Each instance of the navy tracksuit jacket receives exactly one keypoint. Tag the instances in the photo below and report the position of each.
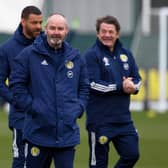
(108, 103)
(8, 51)
(52, 87)
(108, 114)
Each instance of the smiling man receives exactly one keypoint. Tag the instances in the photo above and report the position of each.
(113, 76)
(50, 82)
(56, 33)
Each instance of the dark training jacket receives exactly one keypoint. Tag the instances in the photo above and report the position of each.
(8, 51)
(108, 103)
(52, 87)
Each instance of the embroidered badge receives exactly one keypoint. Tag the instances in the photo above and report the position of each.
(123, 58)
(44, 62)
(70, 74)
(126, 66)
(69, 64)
(106, 61)
(35, 151)
(103, 139)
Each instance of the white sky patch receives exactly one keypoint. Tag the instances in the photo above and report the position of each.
(10, 13)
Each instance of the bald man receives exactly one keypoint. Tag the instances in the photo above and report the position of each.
(50, 82)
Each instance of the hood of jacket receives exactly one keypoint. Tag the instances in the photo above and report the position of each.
(21, 38)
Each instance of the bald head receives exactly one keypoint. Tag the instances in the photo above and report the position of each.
(57, 18)
(56, 30)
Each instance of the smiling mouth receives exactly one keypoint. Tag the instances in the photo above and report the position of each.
(107, 41)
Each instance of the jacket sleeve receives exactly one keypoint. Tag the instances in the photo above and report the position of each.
(19, 80)
(98, 85)
(83, 87)
(5, 92)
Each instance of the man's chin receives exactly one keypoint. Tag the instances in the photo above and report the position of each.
(34, 35)
(56, 44)
(107, 44)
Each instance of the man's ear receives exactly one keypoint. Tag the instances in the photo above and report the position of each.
(22, 22)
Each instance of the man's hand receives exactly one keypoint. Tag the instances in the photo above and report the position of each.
(128, 85)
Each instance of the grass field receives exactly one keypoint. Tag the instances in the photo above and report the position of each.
(153, 132)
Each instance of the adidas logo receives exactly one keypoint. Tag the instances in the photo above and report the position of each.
(44, 62)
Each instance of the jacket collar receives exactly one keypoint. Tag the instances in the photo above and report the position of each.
(41, 46)
(20, 37)
(117, 47)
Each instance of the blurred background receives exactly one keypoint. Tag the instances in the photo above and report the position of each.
(144, 29)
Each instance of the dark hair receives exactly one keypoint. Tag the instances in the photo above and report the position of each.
(109, 20)
(30, 10)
